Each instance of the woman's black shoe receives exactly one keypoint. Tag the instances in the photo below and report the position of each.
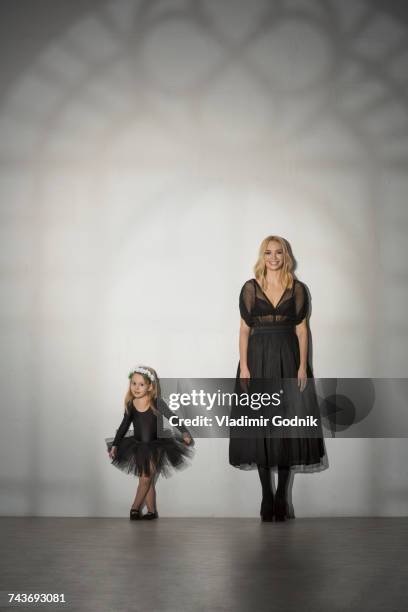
(267, 511)
(149, 516)
(134, 515)
(280, 509)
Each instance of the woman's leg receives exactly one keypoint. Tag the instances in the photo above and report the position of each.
(266, 482)
(267, 492)
(281, 505)
(283, 480)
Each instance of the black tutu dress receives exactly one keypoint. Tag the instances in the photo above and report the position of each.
(142, 452)
(273, 359)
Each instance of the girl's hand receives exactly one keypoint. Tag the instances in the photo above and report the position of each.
(302, 378)
(187, 439)
(112, 452)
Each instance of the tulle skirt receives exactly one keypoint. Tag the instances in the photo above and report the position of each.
(162, 456)
(273, 361)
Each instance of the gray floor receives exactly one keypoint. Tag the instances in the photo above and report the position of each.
(208, 564)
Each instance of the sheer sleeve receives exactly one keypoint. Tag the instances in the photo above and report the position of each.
(247, 301)
(301, 302)
(163, 408)
(123, 427)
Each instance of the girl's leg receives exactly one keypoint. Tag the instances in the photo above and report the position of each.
(142, 490)
(151, 497)
(146, 491)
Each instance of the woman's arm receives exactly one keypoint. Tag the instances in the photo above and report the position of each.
(302, 334)
(244, 330)
(246, 307)
(302, 311)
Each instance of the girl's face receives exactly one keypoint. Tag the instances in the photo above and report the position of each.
(138, 386)
(273, 256)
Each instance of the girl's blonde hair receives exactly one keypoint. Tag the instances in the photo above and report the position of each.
(287, 276)
(154, 393)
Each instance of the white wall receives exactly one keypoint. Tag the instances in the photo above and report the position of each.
(139, 171)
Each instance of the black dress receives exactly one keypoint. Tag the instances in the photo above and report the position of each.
(273, 356)
(144, 453)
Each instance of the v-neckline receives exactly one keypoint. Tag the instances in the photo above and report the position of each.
(278, 302)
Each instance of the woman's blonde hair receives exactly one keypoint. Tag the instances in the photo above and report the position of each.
(155, 391)
(286, 270)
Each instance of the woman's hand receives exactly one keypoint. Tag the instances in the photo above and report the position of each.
(187, 438)
(302, 378)
(112, 452)
(244, 375)
(244, 372)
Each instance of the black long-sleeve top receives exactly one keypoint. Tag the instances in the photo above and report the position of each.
(145, 424)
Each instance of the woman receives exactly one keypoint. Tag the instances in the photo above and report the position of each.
(273, 347)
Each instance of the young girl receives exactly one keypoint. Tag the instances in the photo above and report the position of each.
(144, 454)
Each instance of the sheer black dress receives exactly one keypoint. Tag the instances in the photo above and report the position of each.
(274, 356)
(143, 452)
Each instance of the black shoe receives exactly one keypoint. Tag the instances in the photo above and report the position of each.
(280, 509)
(134, 515)
(267, 510)
(150, 516)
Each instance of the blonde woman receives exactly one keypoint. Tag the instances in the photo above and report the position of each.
(273, 346)
(145, 454)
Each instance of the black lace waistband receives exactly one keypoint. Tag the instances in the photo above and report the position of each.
(273, 329)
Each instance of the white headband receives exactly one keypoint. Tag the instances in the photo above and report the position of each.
(140, 370)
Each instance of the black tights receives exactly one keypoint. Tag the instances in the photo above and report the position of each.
(146, 492)
(266, 481)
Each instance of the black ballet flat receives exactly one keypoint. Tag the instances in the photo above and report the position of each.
(266, 511)
(150, 516)
(280, 509)
(134, 515)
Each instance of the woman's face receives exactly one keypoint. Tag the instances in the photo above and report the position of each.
(138, 386)
(273, 256)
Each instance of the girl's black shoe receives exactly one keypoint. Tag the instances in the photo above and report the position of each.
(149, 516)
(134, 515)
